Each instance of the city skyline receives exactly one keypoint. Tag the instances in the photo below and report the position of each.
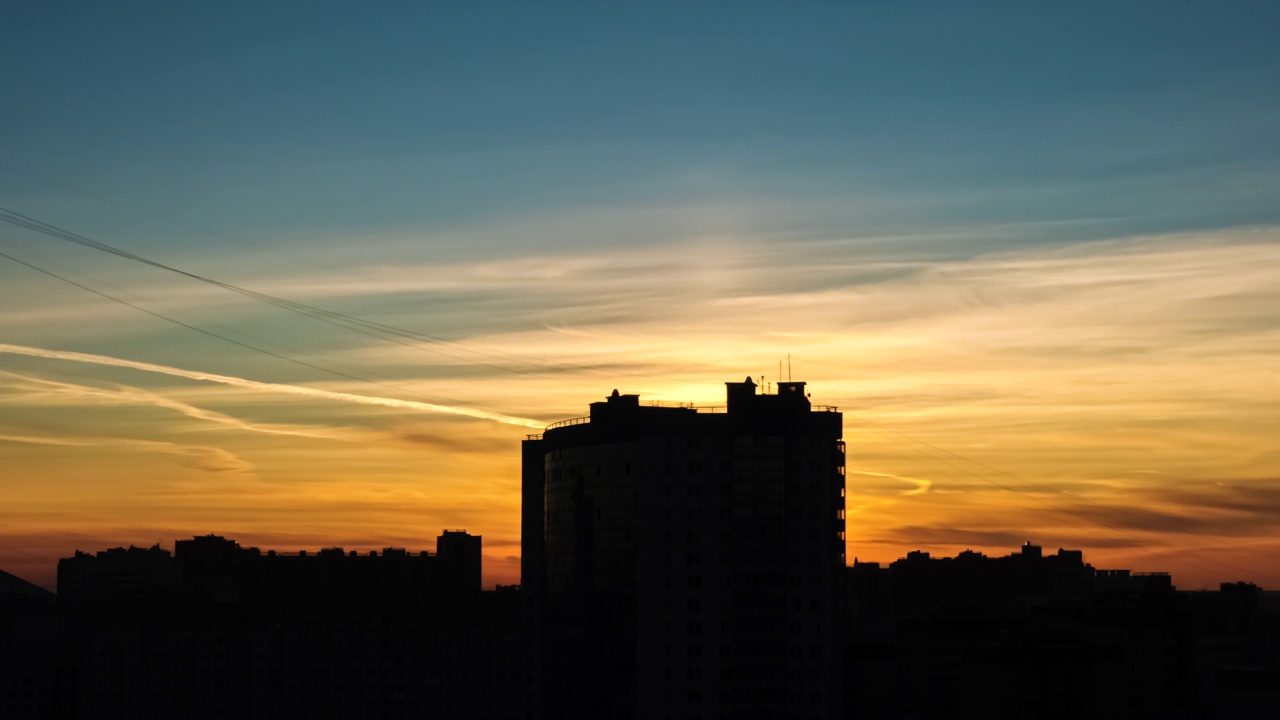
(1030, 255)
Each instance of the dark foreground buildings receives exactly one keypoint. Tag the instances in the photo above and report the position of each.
(215, 630)
(1034, 635)
(31, 672)
(678, 563)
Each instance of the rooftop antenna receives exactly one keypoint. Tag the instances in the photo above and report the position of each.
(788, 367)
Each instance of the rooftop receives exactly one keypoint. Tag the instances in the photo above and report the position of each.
(789, 396)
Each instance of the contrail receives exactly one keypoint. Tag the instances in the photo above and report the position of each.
(44, 389)
(209, 459)
(267, 387)
(921, 486)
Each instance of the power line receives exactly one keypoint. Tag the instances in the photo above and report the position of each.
(370, 328)
(220, 336)
(137, 298)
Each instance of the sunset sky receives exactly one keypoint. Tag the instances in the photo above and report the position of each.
(1033, 256)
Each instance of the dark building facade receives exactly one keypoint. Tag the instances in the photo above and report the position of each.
(688, 560)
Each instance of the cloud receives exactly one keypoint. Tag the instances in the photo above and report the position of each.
(991, 540)
(55, 441)
(200, 457)
(1254, 496)
(923, 536)
(919, 486)
(268, 387)
(44, 393)
(448, 443)
(1187, 507)
(215, 460)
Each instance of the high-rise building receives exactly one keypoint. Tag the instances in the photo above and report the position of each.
(687, 560)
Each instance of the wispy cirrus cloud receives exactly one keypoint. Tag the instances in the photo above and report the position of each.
(31, 390)
(200, 457)
(1068, 366)
(39, 440)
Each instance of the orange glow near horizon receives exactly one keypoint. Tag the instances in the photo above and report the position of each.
(1119, 399)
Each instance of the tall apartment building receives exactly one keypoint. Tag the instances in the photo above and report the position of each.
(686, 562)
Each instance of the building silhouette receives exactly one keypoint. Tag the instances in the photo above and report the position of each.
(678, 562)
(1035, 635)
(31, 677)
(216, 630)
(686, 562)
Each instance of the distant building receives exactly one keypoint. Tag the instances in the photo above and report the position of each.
(459, 557)
(31, 683)
(688, 560)
(216, 630)
(214, 569)
(1026, 635)
(118, 575)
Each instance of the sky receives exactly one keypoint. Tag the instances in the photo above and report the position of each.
(1031, 251)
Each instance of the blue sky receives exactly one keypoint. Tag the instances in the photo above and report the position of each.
(244, 120)
(1043, 237)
